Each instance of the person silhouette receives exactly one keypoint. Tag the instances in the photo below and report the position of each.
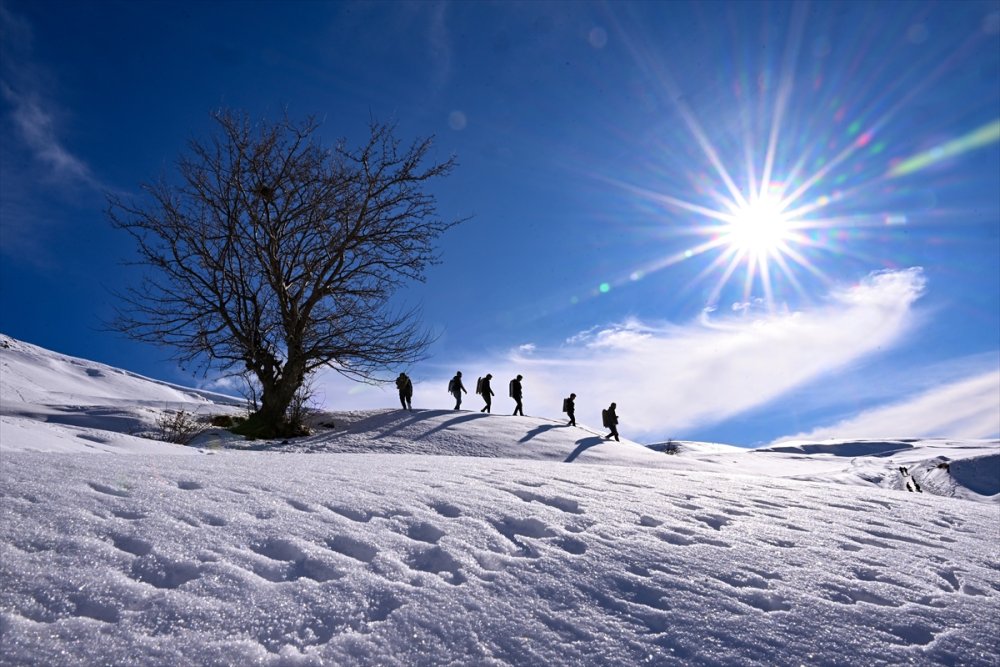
(487, 392)
(569, 407)
(610, 418)
(405, 387)
(455, 388)
(515, 393)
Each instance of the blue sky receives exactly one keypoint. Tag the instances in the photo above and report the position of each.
(741, 222)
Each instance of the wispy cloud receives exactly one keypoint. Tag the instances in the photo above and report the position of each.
(969, 408)
(670, 379)
(439, 42)
(37, 130)
(32, 111)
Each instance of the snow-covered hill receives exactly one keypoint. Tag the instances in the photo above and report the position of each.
(454, 538)
(53, 402)
(968, 469)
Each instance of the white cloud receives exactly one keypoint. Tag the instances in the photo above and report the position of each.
(31, 108)
(667, 379)
(969, 408)
(37, 131)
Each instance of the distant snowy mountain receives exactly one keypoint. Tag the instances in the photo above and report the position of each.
(438, 537)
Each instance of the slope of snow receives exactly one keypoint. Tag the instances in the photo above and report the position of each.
(455, 538)
(295, 559)
(461, 433)
(46, 386)
(26, 434)
(968, 469)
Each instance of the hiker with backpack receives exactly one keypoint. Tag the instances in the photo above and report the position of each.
(610, 419)
(405, 387)
(569, 407)
(515, 393)
(455, 388)
(484, 390)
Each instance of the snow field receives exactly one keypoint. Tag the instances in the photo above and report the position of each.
(437, 537)
(294, 559)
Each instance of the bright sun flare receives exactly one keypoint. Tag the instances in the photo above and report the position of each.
(759, 228)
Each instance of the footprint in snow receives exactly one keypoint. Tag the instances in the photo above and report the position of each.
(300, 506)
(513, 529)
(738, 579)
(688, 506)
(107, 490)
(131, 544)
(437, 561)
(766, 602)
(854, 595)
(572, 545)
(914, 634)
(358, 516)
(675, 539)
(163, 572)
(713, 520)
(352, 548)
(567, 505)
(446, 510)
(424, 532)
(951, 582)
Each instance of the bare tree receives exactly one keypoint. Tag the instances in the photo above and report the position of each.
(276, 256)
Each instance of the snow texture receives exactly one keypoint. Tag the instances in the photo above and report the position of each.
(454, 538)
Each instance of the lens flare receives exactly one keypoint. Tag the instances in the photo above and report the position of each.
(782, 182)
(984, 136)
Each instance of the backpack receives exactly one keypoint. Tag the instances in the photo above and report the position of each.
(451, 386)
(565, 405)
(510, 388)
(605, 418)
(479, 386)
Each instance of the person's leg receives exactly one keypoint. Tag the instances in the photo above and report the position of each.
(402, 401)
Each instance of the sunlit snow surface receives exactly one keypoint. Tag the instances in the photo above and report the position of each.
(537, 545)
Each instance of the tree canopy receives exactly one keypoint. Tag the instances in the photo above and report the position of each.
(274, 255)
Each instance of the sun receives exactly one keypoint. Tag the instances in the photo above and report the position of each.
(758, 228)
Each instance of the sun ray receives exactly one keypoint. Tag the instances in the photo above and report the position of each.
(784, 93)
(783, 189)
(675, 94)
(716, 293)
(789, 275)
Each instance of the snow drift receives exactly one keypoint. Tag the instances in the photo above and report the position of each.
(444, 538)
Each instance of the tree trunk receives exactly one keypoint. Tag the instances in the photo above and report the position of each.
(271, 418)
